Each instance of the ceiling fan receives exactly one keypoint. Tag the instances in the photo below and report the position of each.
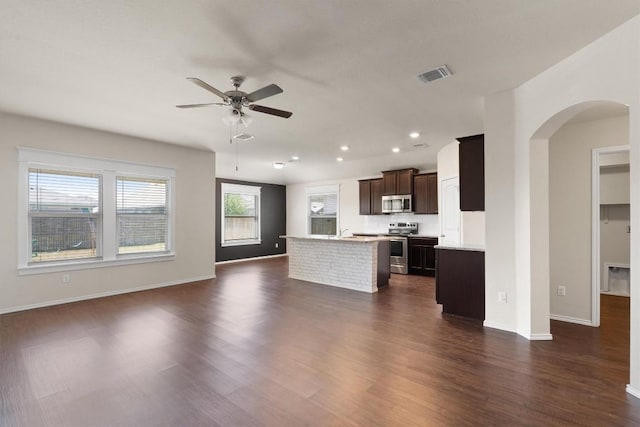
(236, 99)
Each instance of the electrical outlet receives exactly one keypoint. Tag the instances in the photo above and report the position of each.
(277, 244)
(562, 291)
(502, 297)
(66, 278)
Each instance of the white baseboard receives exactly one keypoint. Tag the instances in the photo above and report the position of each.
(633, 391)
(539, 337)
(104, 294)
(250, 259)
(494, 325)
(569, 319)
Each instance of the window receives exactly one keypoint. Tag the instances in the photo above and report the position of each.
(240, 216)
(64, 215)
(322, 210)
(78, 212)
(142, 215)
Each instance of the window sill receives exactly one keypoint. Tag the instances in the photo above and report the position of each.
(93, 263)
(241, 243)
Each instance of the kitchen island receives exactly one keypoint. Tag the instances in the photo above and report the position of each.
(357, 263)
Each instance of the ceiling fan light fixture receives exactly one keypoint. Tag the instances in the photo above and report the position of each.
(243, 136)
(232, 117)
(245, 119)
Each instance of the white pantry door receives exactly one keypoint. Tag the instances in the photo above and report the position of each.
(450, 212)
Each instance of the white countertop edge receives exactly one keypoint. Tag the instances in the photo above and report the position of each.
(477, 248)
(340, 239)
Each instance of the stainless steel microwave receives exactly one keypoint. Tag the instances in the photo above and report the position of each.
(396, 204)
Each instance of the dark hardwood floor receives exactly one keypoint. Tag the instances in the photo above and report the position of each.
(255, 348)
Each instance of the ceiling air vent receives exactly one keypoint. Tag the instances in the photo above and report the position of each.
(437, 74)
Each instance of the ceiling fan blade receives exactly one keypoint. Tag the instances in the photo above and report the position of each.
(199, 105)
(272, 111)
(208, 87)
(265, 92)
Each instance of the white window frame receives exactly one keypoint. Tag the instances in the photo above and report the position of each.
(240, 189)
(29, 158)
(317, 191)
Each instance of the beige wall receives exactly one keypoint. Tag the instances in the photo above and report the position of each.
(614, 185)
(570, 152)
(194, 214)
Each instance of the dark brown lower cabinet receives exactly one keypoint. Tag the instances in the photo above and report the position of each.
(460, 282)
(422, 256)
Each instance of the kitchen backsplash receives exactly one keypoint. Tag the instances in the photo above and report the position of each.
(427, 224)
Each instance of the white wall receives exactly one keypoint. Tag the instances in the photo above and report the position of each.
(515, 123)
(349, 211)
(570, 152)
(348, 206)
(472, 224)
(194, 213)
(428, 225)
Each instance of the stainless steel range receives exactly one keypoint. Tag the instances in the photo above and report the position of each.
(399, 245)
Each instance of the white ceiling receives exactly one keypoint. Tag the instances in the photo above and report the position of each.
(348, 70)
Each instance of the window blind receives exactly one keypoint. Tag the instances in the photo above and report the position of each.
(142, 214)
(64, 214)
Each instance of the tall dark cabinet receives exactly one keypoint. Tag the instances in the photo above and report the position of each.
(471, 173)
(370, 196)
(425, 190)
(365, 196)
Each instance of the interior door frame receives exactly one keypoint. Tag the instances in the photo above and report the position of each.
(595, 226)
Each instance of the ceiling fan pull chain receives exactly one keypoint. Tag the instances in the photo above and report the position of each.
(236, 148)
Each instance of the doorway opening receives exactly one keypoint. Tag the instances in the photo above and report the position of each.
(611, 227)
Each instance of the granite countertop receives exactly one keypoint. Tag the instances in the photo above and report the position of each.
(391, 235)
(354, 239)
(461, 247)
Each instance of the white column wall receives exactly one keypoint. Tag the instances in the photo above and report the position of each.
(500, 211)
(537, 109)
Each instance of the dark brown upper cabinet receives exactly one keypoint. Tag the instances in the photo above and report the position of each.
(376, 196)
(398, 182)
(365, 196)
(471, 156)
(370, 196)
(425, 190)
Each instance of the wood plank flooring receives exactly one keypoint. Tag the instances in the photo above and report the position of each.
(253, 347)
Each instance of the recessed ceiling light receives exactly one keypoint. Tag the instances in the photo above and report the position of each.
(414, 135)
(344, 148)
(339, 159)
(395, 149)
(278, 165)
(295, 158)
